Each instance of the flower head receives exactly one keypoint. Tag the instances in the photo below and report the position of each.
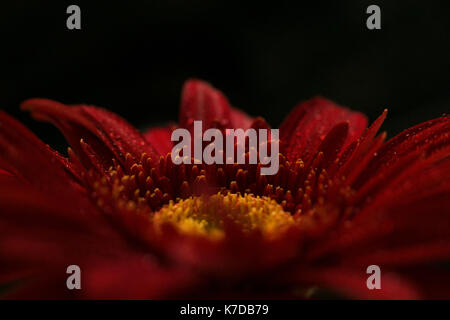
(140, 226)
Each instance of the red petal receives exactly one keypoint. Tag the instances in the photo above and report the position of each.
(160, 139)
(41, 234)
(108, 134)
(200, 101)
(352, 282)
(308, 124)
(361, 150)
(4, 172)
(332, 144)
(27, 157)
(38, 233)
(416, 139)
(239, 119)
(409, 212)
(432, 280)
(135, 277)
(407, 255)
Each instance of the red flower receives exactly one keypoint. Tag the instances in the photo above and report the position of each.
(140, 226)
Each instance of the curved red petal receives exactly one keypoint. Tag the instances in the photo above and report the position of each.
(308, 124)
(422, 137)
(108, 134)
(239, 119)
(23, 154)
(200, 101)
(332, 145)
(361, 150)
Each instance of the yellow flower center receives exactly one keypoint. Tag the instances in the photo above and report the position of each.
(206, 215)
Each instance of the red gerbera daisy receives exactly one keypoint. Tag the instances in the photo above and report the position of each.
(140, 226)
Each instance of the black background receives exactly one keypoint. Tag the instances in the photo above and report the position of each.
(132, 57)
